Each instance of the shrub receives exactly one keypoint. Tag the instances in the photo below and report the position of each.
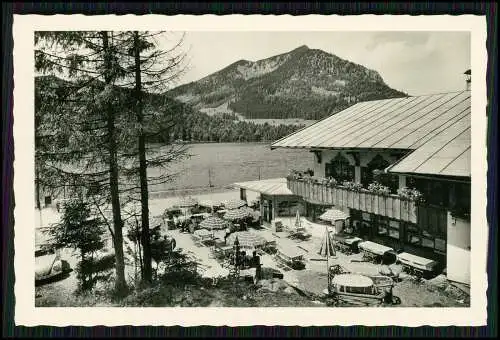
(379, 189)
(331, 182)
(82, 231)
(91, 270)
(410, 194)
(352, 186)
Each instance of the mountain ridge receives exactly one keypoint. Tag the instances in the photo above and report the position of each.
(303, 83)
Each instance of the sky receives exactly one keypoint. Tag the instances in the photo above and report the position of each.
(418, 63)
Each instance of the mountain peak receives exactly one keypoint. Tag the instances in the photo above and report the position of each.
(301, 48)
(302, 83)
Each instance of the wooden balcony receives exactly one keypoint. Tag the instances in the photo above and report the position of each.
(391, 206)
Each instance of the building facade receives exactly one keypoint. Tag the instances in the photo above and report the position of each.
(401, 169)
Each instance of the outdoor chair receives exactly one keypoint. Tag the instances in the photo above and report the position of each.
(343, 248)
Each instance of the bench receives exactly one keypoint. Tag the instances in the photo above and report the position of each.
(416, 265)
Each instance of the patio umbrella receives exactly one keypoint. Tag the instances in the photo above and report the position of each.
(234, 204)
(201, 232)
(332, 215)
(214, 223)
(247, 239)
(251, 212)
(236, 214)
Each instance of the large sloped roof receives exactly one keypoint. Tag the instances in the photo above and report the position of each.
(436, 128)
(447, 154)
(400, 123)
(274, 186)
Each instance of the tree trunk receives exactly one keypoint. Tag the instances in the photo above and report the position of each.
(37, 181)
(146, 246)
(120, 284)
(138, 243)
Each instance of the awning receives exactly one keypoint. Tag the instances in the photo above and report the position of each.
(272, 187)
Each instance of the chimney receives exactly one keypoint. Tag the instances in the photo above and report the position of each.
(467, 79)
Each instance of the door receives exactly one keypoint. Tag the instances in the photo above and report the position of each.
(270, 211)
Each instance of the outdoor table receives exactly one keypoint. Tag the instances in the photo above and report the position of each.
(290, 255)
(200, 215)
(374, 248)
(373, 251)
(347, 243)
(416, 264)
(352, 240)
(226, 249)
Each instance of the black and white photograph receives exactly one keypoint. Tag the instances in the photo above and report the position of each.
(192, 169)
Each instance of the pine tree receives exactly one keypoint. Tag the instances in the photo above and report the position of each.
(151, 69)
(78, 122)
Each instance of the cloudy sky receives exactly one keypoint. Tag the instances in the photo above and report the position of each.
(418, 63)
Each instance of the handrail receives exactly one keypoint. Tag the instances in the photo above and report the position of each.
(391, 206)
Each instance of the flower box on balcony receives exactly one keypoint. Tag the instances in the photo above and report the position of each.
(353, 197)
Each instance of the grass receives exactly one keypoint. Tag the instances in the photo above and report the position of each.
(164, 294)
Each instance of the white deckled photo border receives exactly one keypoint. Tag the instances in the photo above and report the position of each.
(27, 314)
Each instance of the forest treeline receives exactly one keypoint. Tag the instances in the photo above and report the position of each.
(200, 127)
(194, 126)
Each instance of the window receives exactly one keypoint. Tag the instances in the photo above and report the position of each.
(460, 205)
(387, 227)
(340, 169)
(369, 175)
(366, 217)
(394, 229)
(440, 245)
(413, 235)
(424, 238)
(382, 230)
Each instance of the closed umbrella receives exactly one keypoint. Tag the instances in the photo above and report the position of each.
(332, 215)
(298, 224)
(214, 223)
(234, 204)
(236, 214)
(246, 239)
(327, 250)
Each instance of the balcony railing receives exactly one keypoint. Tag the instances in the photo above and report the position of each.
(391, 206)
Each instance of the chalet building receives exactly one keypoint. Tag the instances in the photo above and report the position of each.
(401, 169)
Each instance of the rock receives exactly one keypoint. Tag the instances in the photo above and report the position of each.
(289, 290)
(281, 284)
(439, 281)
(274, 287)
(385, 270)
(244, 297)
(265, 285)
(396, 270)
(403, 276)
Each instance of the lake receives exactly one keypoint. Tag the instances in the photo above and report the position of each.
(221, 164)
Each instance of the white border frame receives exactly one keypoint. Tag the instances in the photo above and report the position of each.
(27, 314)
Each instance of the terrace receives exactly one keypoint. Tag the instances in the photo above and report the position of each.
(353, 196)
